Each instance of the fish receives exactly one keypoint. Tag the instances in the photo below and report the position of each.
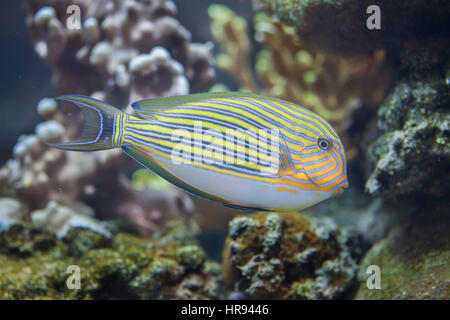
(246, 151)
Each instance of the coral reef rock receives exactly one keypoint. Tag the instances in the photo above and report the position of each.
(413, 155)
(285, 255)
(37, 265)
(414, 260)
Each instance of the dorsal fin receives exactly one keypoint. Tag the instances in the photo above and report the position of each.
(177, 100)
(146, 107)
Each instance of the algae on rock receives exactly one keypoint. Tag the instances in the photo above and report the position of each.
(35, 266)
(413, 260)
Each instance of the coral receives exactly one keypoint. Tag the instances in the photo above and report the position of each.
(143, 178)
(35, 265)
(230, 31)
(413, 155)
(149, 71)
(59, 220)
(22, 239)
(285, 255)
(11, 211)
(287, 68)
(122, 52)
(96, 56)
(413, 259)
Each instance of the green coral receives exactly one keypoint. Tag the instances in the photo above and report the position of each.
(23, 240)
(81, 240)
(142, 179)
(124, 267)
(285, 255)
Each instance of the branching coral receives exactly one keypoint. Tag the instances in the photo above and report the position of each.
(330, 85)
(96, 56)
(230, 31)
(123, 51)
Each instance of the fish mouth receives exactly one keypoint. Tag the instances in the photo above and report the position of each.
(345, 185)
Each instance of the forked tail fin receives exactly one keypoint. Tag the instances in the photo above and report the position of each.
(99, 125)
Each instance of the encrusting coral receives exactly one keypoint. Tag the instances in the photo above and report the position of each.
(413, 155)
(286, 255)
(123, 51)
(330, 85)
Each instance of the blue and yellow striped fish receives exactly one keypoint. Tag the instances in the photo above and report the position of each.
(244, 150)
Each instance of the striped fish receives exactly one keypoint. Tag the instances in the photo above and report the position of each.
(244, 150)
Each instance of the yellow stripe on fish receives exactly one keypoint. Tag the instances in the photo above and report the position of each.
(244, 150)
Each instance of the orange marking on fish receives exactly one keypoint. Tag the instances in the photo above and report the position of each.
(280, 189)
(330, 169)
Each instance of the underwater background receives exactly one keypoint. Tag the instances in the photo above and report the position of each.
(134, 236)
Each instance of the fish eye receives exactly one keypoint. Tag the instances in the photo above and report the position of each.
(324, 143)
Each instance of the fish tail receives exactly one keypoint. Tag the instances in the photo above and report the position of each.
(102, 125)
